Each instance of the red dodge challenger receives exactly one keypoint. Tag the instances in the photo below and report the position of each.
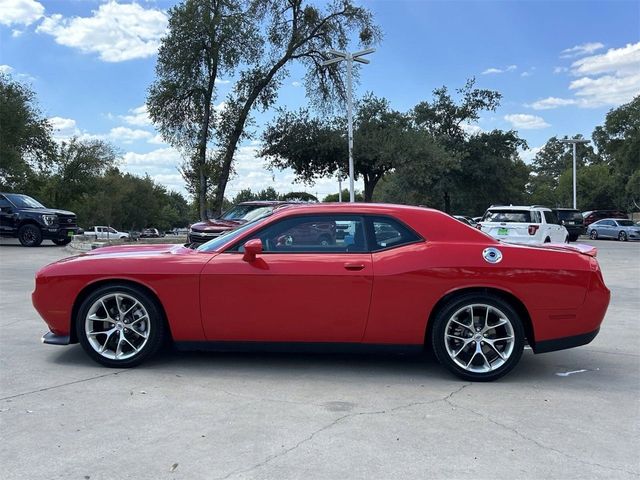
(397, 277)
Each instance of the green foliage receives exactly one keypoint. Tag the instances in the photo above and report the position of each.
(334, 197)
(26, 145)
(269, 193)
(205, 39)
(596, 188)
(292, 31)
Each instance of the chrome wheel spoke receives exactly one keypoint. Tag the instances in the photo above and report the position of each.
(470, 328)
(140, 334)
(136, 320)
(490, 343)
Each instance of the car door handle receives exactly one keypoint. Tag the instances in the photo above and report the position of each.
(354, 266)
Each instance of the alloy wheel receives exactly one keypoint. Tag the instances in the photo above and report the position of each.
(117, 326)
(479, 338)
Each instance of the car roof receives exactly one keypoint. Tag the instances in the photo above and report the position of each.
(566, 209)
(353, 208)
(518, 207)
(266, 203)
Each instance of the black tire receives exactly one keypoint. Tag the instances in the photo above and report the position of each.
(622, 236)
(155, 330)
(593, 234)
(62, 242)
(547, 240)
(30, 235)
(326, 240)
(441, 348)
(573, 238)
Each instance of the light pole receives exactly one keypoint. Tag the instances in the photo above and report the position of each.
(574, 142)
(349, 58)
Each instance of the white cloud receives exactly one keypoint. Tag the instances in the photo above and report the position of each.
(551, 103)
(220, 81)
(138, 117)
(584, 49)
(528, 155)
(494, 70)
(65, 126)
(296, 84)
(128, 135)
(156, 140)
(6, 69)
(116, 32)
(610, 78)
(557, 70)
(470, 128)
(525, 74)
(524, 121)
(20, 12)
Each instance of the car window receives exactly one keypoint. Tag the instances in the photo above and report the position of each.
(112, 230)
(23, 201)
(4, 203)
(388, 233)
(239, 212)
(317, 233)
(507, 216)
(568, 215)
(228, 236)
(550, 217)
(625, 223)
(606, 223)
(536, 217)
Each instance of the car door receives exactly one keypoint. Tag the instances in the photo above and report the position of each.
(7, 217)
(557, 232)
(306, 291)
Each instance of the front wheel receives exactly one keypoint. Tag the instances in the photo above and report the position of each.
(622, 236)
(62, 242)
(120, 326)
(478, 337)
(573, 238)
(593, 235)
(30, 235)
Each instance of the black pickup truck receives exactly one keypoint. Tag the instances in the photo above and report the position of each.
(29, 221)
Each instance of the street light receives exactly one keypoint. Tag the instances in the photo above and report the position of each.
(349, 58)
(574, 141)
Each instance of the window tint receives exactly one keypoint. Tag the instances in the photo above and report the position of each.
(625, 223)
(536, 217)
(608, 223)
(550, 217)
(569, 215)
(508, 216)
(4, 203)
(388, 233)
(317, 233)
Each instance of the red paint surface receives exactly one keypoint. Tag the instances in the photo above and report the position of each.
(316, 298)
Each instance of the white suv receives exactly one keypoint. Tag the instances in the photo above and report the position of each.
(533, 224)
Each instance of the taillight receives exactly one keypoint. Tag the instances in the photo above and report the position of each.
(533, 229)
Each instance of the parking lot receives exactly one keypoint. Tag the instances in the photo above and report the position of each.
(568, 414)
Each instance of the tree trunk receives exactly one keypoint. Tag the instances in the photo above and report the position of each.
(447, 202)
(369, 186)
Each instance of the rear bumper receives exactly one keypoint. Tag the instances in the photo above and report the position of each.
(53, 339)
(545, 346)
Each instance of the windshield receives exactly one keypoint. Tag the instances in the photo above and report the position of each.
(239, 212)
(229, 236)
(508, 216)
(257, 213)
(22, 201)
(625, 223)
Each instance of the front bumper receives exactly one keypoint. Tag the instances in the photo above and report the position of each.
(53, 339)
(58, 233)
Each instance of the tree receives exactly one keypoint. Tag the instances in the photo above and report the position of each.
(292, 32)
(298, 197)
(595, 188)
(334, 197)
(206, 38)
(26, 144)
(316, 148)
(446, 122)
(618, 141)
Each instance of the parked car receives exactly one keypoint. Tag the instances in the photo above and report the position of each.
(30, 222)
(105, 233)
(435, 285)
(623, 230)
(595, 215)
(572, 220)
(464, 219)
(523, 224)
(151, 233)
(244, 212)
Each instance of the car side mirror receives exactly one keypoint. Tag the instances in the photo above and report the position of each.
(251, 249)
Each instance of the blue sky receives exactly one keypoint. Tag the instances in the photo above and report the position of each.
(560, 65)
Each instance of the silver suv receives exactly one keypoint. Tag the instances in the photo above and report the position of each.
(523, 224)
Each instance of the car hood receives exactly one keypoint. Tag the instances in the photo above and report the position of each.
(47, 211)
(213, 225)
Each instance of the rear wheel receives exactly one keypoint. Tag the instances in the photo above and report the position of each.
(30, 235)
(478, 337)
(622, 236)
(120, 326)
(547, 240)
(573, 238)
(593, 235)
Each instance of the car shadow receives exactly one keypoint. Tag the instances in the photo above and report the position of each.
(341, 367)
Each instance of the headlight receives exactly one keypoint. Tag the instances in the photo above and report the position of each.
(50, 219)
